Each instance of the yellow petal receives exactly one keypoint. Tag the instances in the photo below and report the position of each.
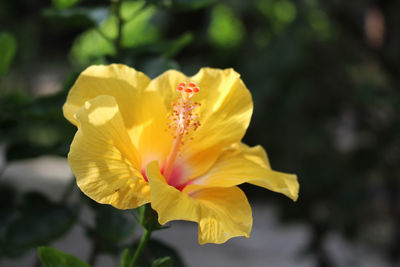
(119, 81)
(222, 213)
(226, 108)
(225, 112)
(143, 112)
(243, 164)
(103, 158)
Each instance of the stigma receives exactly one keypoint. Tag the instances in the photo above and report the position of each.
(182, 118)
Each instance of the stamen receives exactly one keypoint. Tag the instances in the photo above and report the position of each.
(182, 121)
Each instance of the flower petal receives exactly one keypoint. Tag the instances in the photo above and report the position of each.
(222, 213)
(143, 112)
(103, 158)
(225, 112)
(119, 81)
(226, 108)
(243, 164)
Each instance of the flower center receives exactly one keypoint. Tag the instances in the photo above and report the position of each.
(182, 122)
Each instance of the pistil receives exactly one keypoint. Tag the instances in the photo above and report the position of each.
(172, 156)
(183, 121)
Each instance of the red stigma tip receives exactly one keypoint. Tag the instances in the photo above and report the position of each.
(180, 88)
(188, 90)
(182, 84)
(192, 84)
(196, 89)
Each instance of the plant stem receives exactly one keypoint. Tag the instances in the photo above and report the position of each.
(143, 241)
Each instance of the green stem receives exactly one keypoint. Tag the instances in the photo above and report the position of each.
(143, 241)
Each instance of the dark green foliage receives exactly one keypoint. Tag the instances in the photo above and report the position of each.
(182, 5)
(162, 262)
(111, 228)
(36, 125)
(157, 251)
(8, 204)
(78, 17)
(33, 221)
(148, 218)
(8, 47)
(51, 257)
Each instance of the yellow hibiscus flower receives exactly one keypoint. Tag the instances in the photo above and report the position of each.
(174, 141)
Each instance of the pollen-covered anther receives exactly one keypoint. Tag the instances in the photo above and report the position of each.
(182, 119)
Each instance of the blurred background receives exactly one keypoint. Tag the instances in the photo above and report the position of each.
(325, 79)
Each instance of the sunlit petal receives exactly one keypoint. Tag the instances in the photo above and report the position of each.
(123, 83)
(222, 213)
(143, 112)
(103, 158)
(243, 164)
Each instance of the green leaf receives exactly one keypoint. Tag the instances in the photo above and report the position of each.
(285, 11)
(51, 257)
(8, 47)
(97, 45)
(226, 30)
(61, 4)
(92, 46)
(112, 226)
(168, 48)
(137, 29)
(157, 250)
(37, 222)
(160, 250)
(149, 218)
(33, 127)
(173, 47)
(162, 262)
